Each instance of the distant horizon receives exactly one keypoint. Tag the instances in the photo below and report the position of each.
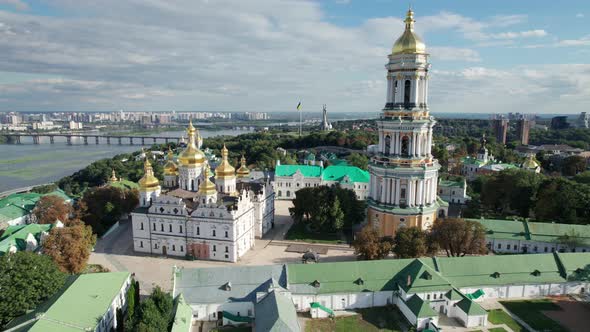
(269, 54)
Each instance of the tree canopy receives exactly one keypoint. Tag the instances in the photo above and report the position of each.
(101, 207)
(411, 242)
(26, 280)
(70, 246)
(459, 237)
(51, 208)
(156, 312)
(368, 245)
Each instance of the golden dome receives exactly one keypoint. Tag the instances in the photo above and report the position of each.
(224, 170)
(148, 182)
(409, 42)
(530, 163)
(243, 171)
(192, 156)
(207, 187)
(113, 177)
(170, 167)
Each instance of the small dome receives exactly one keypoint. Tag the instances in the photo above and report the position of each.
(170, 168)
(243, 171)
(409, 42)
(207, 187)
(530, 163)
(191, 156)
(148, 182)
(224, 170)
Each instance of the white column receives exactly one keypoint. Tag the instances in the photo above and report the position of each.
(397, 191)
(426, 79)
(415, 145)
(399, 142)
(429, 142)
(392, 145)
(399, 96)
(433, 185)
(421, 192)
(390, 192)
(382, 187)
(389, 88)
(420, 142)
(414, 91)
(410, 193)
(386, 188)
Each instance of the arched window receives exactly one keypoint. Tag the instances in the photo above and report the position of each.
(280, 193)
(405, 146)
(288, 193)
(387, 144)
(407, 92)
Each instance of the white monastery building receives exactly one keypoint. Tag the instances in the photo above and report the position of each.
(200, 215)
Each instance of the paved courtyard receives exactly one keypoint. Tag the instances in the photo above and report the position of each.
(115, 252)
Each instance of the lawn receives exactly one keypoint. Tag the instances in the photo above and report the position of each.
(379, 319)
(298, 232)
(530, 311)
(498, 316)
(497, 329)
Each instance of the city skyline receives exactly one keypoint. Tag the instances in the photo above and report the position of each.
(225, 56)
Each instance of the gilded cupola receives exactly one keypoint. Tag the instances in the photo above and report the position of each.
(170, 167)
(192, 156)
(409, 42)
(207, 187)
(148, 182)
(224, 170)
(243, 171)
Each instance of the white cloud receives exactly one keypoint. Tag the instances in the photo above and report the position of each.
(519, 34)
(584, 41)
(17, 4)
(579, 15)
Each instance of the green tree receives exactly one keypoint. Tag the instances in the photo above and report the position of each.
(155, 313)
(101, 207)
(369, 246)
(459, 237)
(563, 201)
(359, 160)
(26, 280)
(573, 165)
(583, 177)
(411, 242)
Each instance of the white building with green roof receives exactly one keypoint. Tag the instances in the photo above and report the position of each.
(290, 178)
(16, 209)
(423, 288)
(88, 302)
(25, 237)
(454, 192)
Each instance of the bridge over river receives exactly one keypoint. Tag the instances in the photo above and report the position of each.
(96, 138)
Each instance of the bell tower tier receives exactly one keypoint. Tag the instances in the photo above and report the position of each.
(404, 175)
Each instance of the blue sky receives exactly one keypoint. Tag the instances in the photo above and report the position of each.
(229, 55)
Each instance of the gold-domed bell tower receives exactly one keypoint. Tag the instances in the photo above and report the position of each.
(191, 162)
(243, 172)
(149, 185)
(225, 174)
(113, 177)
(207, 191)
(170, 171)
(404, 175)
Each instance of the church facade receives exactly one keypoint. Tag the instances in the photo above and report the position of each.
(200, 214)
(404, 174)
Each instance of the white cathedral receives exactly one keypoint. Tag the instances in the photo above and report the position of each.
(196, 217)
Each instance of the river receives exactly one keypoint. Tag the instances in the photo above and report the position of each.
(29, 164)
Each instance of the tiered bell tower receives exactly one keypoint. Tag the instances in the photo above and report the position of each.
(404, 175)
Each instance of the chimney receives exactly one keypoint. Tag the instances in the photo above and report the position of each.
(409, 280)
(278, 162)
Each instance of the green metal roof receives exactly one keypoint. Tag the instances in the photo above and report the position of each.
(420, 308)
(338, 173)
(124, 184)
(472, 161)
(17, 236)
(19, 205)
(183, 316)
(276, 313)
(80, 306)
(470, 307)
(453, 295)
(306, 170)
(418, 277)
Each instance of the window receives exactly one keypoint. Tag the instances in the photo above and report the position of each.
(141, 226)
(198, 231)
(162, 227)
(154, 226)
(405, 146)
(546, 249)
(387, 144)
(141, 244)
(428, 296)
(214, 248)
(173, 247)
(535, 248)
(213, 232)
(226, 234)
(226, 249)
(499, 245)
(155, 246)
(407, 92)
(508, 247)
(170, 228)
(180, 229)
(181, 248)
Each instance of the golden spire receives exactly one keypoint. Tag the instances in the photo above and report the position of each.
(148, 182)
(224, 170)
(243, 171)
(207, 187)
(113, 176)
(409, 41)
(192, 156)
(170, 167)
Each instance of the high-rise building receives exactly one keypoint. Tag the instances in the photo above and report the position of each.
(583, 120)
(559, 122)
(500, 127)
(523, 127)
(404, 174)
